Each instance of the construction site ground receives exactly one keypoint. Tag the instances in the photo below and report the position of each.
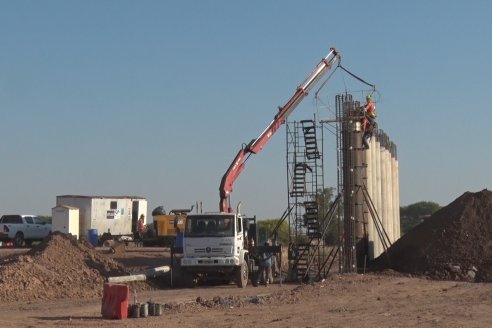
(386, 299)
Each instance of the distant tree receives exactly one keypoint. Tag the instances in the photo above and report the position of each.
(46, 219)
(325, 200)
(414, 214)
(265, 228)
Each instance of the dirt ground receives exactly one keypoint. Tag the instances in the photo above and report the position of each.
(387, 299)
(437, 275)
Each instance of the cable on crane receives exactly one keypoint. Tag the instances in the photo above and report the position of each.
(356, 77)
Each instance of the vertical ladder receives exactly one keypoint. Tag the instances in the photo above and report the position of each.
(309, 131)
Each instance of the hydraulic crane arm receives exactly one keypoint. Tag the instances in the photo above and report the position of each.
(237, 165)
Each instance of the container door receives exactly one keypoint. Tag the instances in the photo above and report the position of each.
(134, 215)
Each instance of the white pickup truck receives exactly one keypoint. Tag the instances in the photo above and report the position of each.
(23, 229)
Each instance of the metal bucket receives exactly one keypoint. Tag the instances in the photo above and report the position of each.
(151, 308)
(155, 309)
(159, 308)
(134, 311)
(144, 310)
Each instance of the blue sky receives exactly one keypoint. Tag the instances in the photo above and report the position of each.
(154, 98)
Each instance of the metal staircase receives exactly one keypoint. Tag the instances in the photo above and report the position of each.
(312, 220)
(299, 179)
(309, 131)
(305, 181)
(302, 261)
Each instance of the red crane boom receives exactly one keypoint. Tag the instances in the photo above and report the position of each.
(237, 165)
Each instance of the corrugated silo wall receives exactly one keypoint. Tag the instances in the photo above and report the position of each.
(381, 178)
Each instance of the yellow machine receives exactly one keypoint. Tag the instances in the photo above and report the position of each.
(168, 225)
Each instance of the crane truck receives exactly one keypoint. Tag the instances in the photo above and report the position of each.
(220, 243)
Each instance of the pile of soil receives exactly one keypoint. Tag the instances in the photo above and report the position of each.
(59, 267)
(454, 243)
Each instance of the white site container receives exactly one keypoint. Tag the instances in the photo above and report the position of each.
(115, 214)
(65, 219)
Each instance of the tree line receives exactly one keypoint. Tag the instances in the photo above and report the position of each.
(410, 216)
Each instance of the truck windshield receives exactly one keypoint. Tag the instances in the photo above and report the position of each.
(210, 226)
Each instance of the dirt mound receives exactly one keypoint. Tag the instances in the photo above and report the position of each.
(455, 243)
(59, 267)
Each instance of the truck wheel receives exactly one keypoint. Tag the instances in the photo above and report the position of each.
(19, 239)
(242, 275)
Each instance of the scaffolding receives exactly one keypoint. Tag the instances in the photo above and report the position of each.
(365, 227)
(309, 257)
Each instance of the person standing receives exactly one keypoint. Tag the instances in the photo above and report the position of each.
(265, 263)
(141, 226)
(368, 121)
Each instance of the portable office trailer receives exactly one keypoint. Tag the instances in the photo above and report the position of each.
(115, 214)
(65, 219)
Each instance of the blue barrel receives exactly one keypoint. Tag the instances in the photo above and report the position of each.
(179, 239)
(93, 237)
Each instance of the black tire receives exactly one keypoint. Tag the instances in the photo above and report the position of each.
(18, 239)
(188, 279)
(242, 275)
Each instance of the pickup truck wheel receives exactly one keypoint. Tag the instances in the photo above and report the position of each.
(242, 275)
(19, 239)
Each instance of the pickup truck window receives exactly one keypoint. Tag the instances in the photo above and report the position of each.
(11, 219)
(29, 219)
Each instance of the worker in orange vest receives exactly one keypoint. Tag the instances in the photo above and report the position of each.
(141, 228)
(368, 121)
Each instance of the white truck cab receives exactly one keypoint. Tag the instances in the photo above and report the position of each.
(215, 244)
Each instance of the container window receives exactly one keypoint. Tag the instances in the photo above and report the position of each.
(113, 205)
